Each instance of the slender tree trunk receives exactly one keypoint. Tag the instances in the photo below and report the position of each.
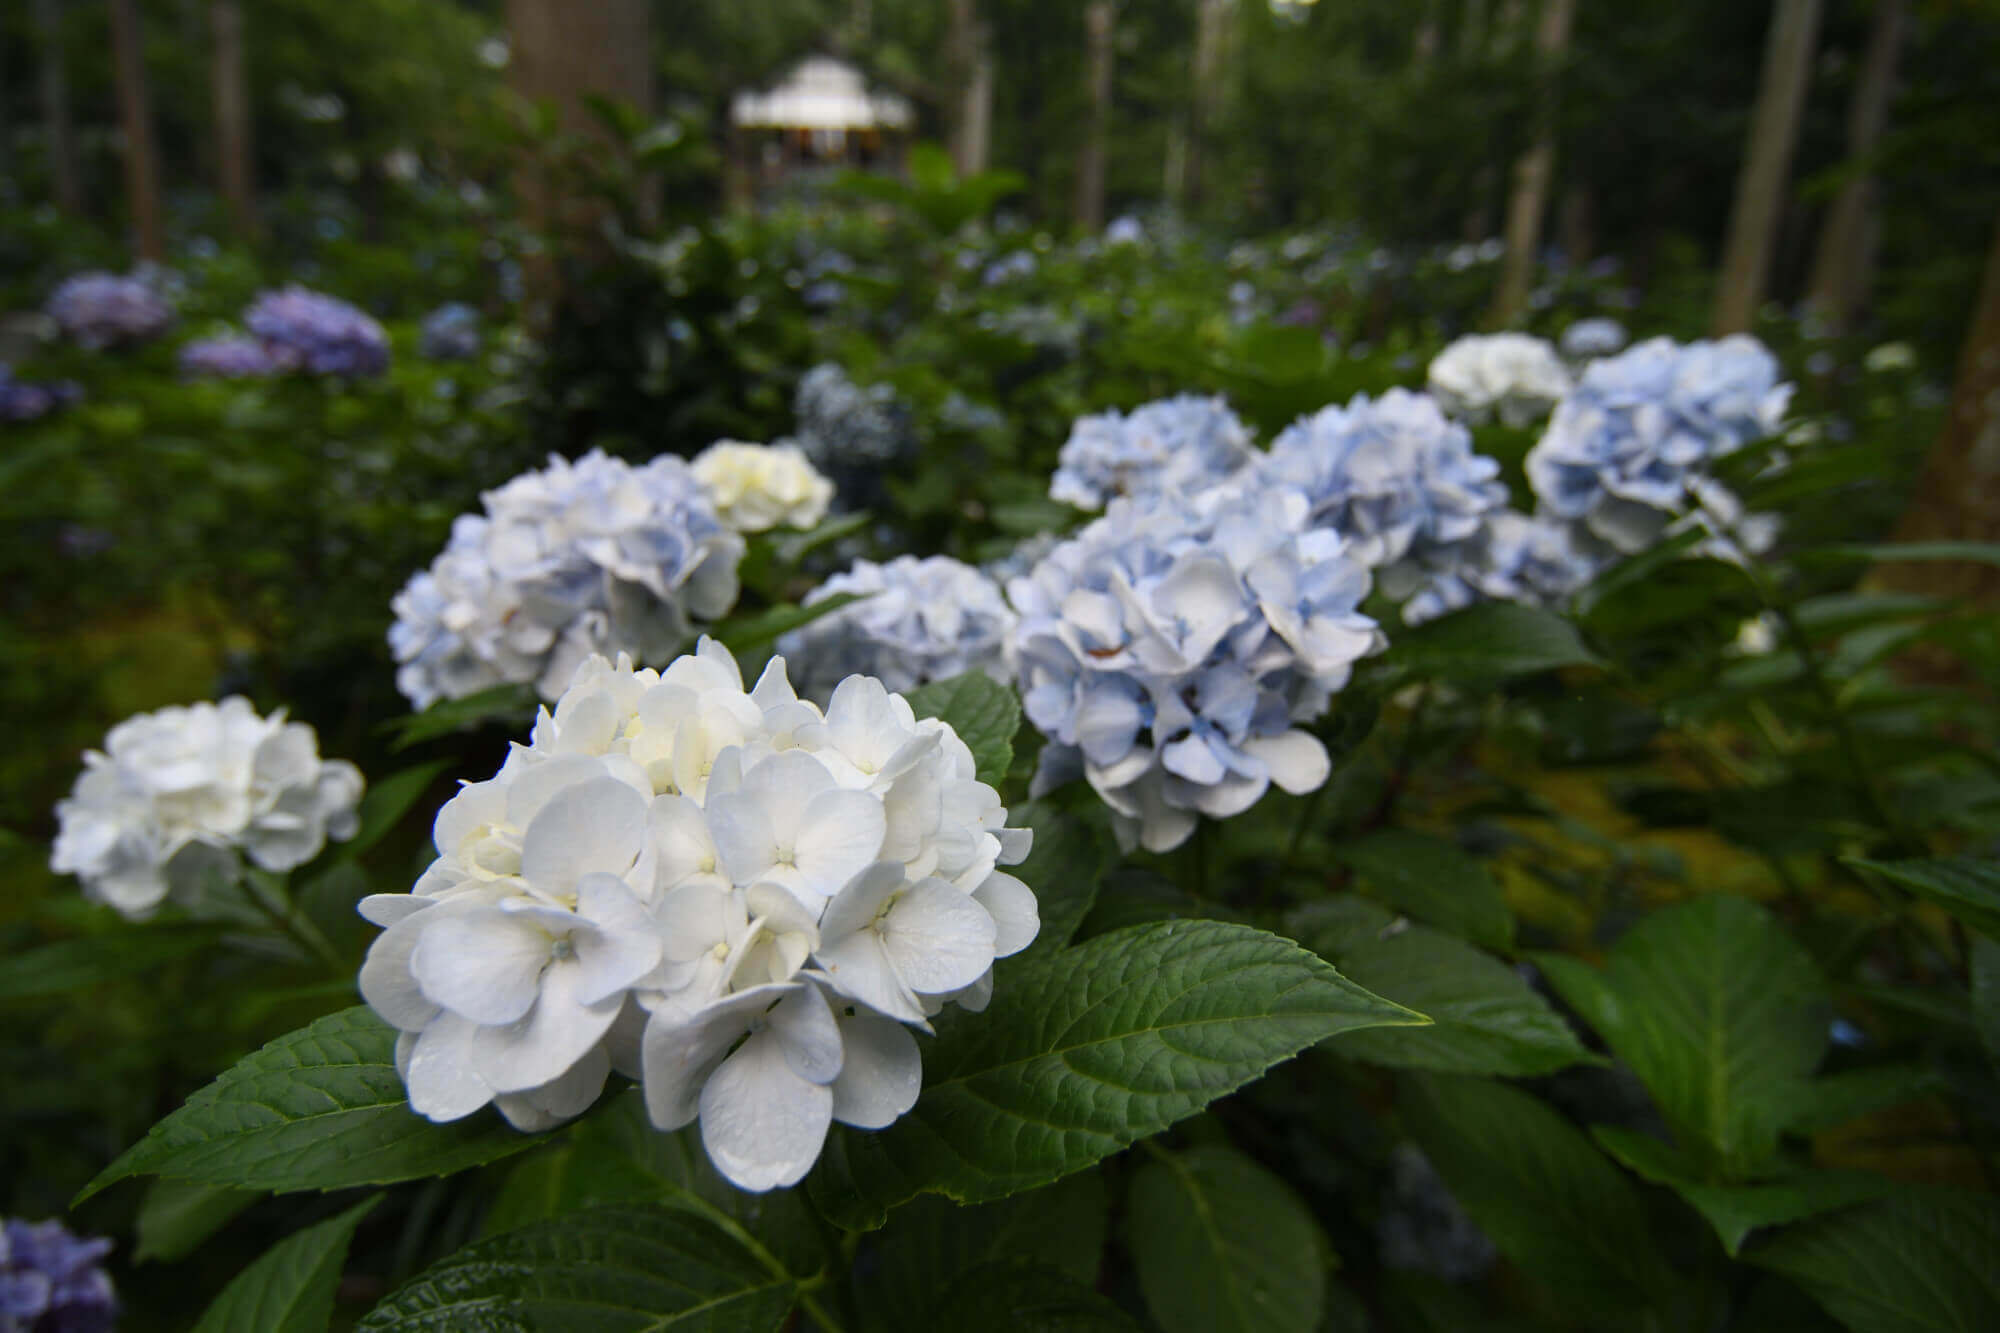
(1534, 171)
(1578, 225)
(1958, 492)
(1767, 163)
(1205, 106)
(969, 65)
(1099, 18)
(65, 181)
(135, 116)
(1843, 262)
(232, 116)
(564, 52)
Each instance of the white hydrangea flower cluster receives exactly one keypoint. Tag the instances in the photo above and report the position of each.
(1396, 478)
(1514, 376)
(1169, 649)
(596, 556)
(918, 620)
(176, 795)
(1173, 446)
(740, 900)
(1627, 454)
(756, 487)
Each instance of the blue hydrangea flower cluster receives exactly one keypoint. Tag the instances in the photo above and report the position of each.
(1623, 451)
(1396, 478)
(99, 310)
(228, 358)
(1169, 650)
(918, 620)
(319, 334)
(1515, 558)
(1174, 446)
(27, 400)
(592, 557)
(1590, 338)
(52, 1281)
(841, 424)
(450, 333)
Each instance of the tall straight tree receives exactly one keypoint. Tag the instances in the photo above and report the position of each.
(1958, 491)
(229, 90)
(65, 181)
(135, 118)
(1211, 54)
(1100, 18)
(1532, 174)
(1844, 262)
(1767, 164)
(969, 69)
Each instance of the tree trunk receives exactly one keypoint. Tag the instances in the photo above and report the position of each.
(1578, 225)
(562, 53)
(142, 163)
(1099, 18)
(65, 181)
(1958, 493)
(232, 116)
(969, 66)
(1843, 262)
(1205, 106)
(1767, 163)
(1532, 174)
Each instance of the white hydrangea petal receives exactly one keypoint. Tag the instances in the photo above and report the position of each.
(681, 1048)
(840, 832)
(937, 937)
(881, 1072)
(803, 1022)
(386, 982)
(485, 964)
(762, 1124)
(857, 965)
(1016, 915)
(543, 1108)
(442, 1080)
(599, 825)
(621, 944)
(554, 1035)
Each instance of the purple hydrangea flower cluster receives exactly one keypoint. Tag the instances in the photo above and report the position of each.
(99, 310)
(229, 358)
(319, 334)
(25, 400)
(450, 333)
(52, 1281)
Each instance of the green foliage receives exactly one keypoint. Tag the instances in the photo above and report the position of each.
(615, 1269)
(1221, 1244)
(1487, 643)
(289, 1289)
(176, 1216)
(319, 1109)
(1969, 889)
(1089, 1049)
(1485, 1019)
(1433, 881)
(1915, 1261)
(983, 712)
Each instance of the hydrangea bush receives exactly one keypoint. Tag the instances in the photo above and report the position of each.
(177, 799)
(103, 310)
(915, 620)
(583, 558)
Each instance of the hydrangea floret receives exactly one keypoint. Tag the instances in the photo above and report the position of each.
(1512, 376)
(1176, 445)
(449, 333)
(1396, 478)
(756, 487)
(1622, 454)
(743, 902)
(52, 1281)
(177, 797)
(595, 556)
(1170, 649)
(319, 334)
(100, 310)
(229, 358)
(918, 620)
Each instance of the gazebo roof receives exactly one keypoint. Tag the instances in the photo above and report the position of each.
(820, 93)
